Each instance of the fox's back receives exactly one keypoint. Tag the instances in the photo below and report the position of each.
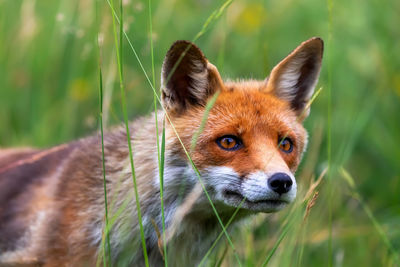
(27, 189)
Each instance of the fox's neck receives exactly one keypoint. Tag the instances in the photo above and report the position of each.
(182, 197)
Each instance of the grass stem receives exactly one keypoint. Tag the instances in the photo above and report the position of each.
(119, 50)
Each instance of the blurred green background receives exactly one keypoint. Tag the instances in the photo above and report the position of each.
(49, 95)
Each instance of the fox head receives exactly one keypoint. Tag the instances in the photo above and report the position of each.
(252, 139)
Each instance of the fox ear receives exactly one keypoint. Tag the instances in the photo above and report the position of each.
(295, 77)
(187, 79)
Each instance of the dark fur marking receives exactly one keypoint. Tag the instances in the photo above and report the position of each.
(15, 181)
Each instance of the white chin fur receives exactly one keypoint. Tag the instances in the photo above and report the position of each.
(231, 189)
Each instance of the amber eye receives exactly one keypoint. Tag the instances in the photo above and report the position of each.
(285, 144)
(229, 142)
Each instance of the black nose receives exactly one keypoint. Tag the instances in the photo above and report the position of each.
(280, 182)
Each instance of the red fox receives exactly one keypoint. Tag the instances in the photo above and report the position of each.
(52, 207)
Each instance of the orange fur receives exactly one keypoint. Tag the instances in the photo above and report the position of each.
(258, 120)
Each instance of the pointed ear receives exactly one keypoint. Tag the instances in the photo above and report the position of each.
(295, 77)
(188, 79)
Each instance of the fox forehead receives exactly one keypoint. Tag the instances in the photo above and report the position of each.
(248, 106)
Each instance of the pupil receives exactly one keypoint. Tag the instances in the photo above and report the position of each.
(285, 144)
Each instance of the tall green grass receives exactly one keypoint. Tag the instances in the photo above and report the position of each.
(106, 248)
(119, 49)
(160, 152)
(329, 126)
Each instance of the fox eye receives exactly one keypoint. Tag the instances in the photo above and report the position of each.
(229, 142)
(285, 144)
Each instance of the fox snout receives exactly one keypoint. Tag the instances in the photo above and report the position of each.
(275, 189)
(258, 191)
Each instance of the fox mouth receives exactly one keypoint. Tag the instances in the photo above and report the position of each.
(236, 199)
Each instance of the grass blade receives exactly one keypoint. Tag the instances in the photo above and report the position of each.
(209, 106)
(221, 234)
(161, 168)
(277, 243)
(104, 169)
(125, 114)
(106, 258)
(160, 154)
(350, 181)
(329, 134)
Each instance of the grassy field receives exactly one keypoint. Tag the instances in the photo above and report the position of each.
(49, 95)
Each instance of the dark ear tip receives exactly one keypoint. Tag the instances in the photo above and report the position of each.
(187, 46)
(180, 43)
(317, 38)
(315, 43)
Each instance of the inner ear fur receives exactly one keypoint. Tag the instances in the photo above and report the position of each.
(295, 77)
(188, 79)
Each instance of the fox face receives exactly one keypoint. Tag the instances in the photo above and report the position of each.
(253, 138)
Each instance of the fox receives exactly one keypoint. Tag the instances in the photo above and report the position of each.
(247, 151)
